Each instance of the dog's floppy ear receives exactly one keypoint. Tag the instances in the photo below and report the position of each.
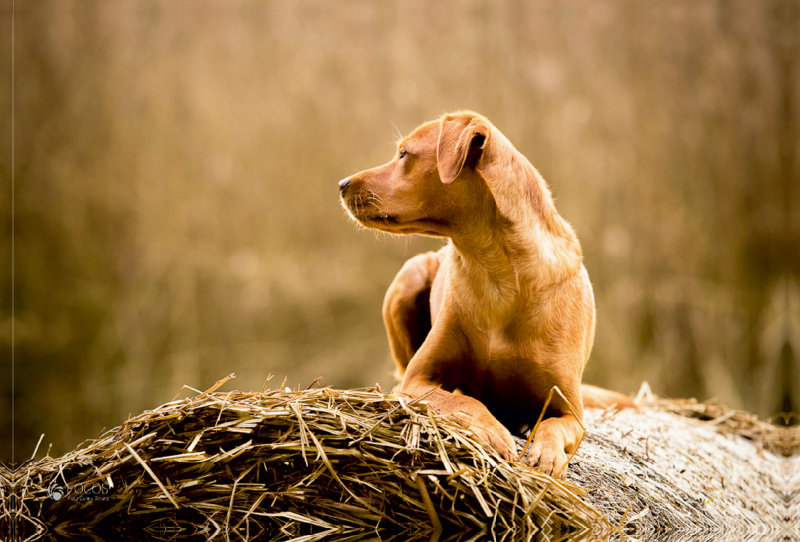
(468, 140)
(461, 141)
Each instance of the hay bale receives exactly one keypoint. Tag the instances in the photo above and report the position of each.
(345, 464)
(296, 465)
(685, 471)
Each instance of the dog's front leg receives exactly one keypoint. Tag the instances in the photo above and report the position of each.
(554, 440)
(437, 370)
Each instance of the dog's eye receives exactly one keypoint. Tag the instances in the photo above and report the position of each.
(402, 154)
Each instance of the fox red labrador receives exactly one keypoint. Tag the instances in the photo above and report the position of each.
(489, 324)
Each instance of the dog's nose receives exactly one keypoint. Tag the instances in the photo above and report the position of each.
(343, 184)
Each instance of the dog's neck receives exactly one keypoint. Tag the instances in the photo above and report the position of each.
(528, 249)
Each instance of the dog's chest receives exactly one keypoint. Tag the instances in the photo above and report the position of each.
(502, 327)
(508, 336)
(500, 346)
(501, 316)
(489, 310)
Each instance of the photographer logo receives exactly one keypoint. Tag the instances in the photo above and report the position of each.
(56, 491)
(83, 492)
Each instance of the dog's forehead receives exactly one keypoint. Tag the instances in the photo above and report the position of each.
(425, 136)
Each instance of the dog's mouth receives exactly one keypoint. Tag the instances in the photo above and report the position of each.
(382, 218)
(366, 212)
(395, 224)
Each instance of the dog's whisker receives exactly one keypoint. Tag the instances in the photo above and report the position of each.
(399, 134)
(375, 197)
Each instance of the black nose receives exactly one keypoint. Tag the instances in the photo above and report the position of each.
(343, 184)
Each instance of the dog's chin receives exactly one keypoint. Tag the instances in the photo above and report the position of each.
(397, 225)
(391, 223)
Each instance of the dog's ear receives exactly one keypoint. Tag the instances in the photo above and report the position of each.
(461, 143)
(468, 141)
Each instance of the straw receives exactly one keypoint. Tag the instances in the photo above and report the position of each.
(299, 465)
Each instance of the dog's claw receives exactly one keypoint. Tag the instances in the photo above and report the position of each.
(549, 460)
(498, 438)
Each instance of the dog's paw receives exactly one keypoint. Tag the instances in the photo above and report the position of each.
(548, 457)
(498, 437)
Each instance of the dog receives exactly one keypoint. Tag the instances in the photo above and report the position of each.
(488, 325)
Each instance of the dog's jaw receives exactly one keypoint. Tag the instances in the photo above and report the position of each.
(372, 217)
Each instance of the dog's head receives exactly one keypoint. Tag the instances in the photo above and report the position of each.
(446, 176)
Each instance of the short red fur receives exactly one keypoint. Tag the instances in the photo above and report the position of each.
(505, 311)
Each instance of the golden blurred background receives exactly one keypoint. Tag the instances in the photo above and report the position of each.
(177, 215)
